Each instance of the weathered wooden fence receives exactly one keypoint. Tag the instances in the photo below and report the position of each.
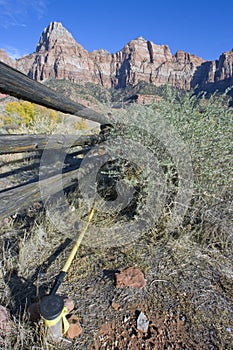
(15, 83)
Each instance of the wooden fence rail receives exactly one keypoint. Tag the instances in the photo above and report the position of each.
(15, 83)
(21, 197)
(31, 143)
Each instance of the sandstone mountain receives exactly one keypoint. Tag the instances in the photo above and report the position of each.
(59, 56)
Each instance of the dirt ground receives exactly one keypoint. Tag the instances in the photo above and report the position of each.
(187, 299)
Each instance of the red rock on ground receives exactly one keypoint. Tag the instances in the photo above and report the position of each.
(115, 306)
(75, 328)
(130, 277)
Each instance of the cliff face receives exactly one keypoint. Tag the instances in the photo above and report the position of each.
(214, 75)
(6, 59)
(58, 55)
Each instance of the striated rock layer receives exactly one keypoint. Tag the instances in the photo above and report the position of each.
(58, 55)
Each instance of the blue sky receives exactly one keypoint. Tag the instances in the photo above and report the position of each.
(201, 27)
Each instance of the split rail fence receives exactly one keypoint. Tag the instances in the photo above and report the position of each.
(21, 196)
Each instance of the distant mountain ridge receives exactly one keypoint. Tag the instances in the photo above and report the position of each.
(59, 56)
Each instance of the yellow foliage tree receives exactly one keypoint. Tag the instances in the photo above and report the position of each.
(21, 112)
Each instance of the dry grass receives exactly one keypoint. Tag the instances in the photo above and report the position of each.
(185, 281)
(188, 298)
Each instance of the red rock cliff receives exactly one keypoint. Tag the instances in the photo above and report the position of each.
(58, 55)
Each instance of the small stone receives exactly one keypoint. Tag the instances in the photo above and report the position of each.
(130, 277)
(142, 322)
(115, 306)
(75, 328)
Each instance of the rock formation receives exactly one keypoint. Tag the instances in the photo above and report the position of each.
(215, 75)
(6, 59)
(58, 55)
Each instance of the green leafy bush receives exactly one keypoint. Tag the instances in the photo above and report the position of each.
(205, 126)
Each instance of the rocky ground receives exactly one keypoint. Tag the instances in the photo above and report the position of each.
(186, 296)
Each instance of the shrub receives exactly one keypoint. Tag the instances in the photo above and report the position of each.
(21, 112)
(205, 126)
